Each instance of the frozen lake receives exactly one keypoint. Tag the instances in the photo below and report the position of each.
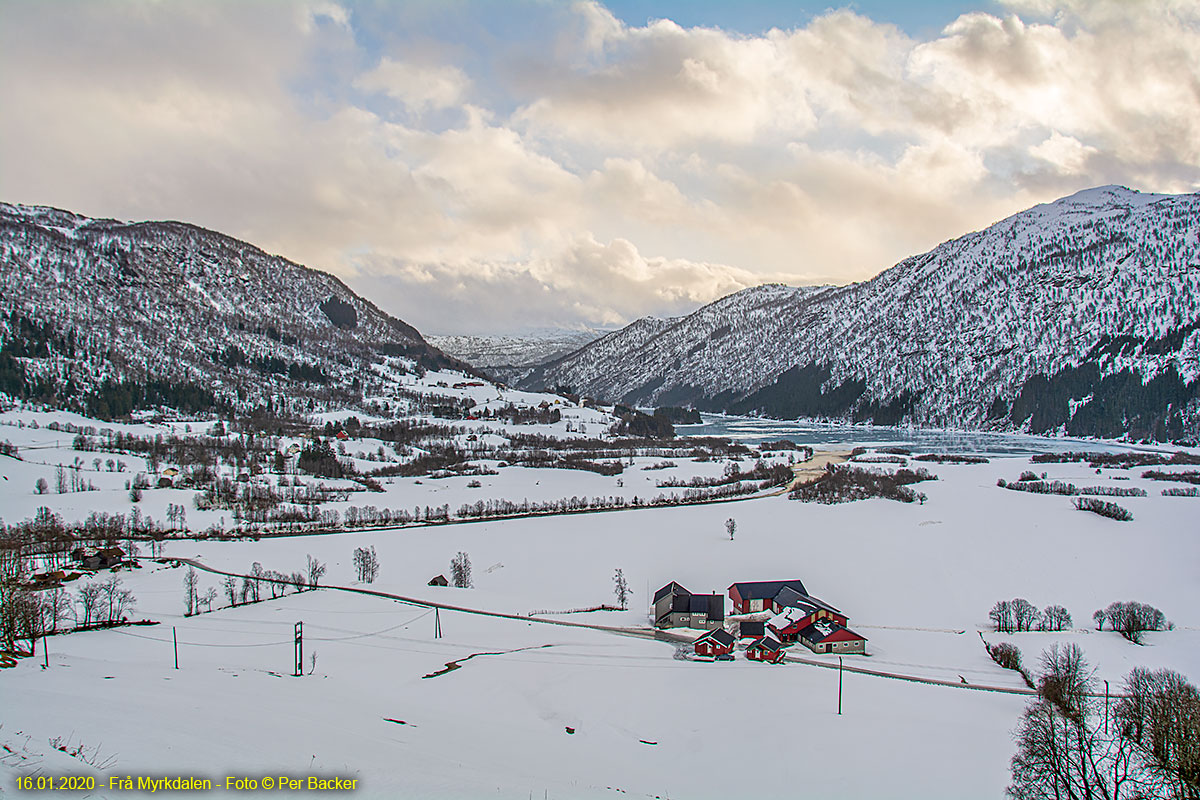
(815, 434)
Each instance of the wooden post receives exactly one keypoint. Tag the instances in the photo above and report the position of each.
(45, 652)
(298, 646)
(839, 686)
(175, 642)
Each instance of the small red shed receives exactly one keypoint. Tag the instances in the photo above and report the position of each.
(717, 642)
(768, 649)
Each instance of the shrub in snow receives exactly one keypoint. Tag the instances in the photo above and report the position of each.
(1103, 508)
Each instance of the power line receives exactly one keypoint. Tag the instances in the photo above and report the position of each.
(200, 644)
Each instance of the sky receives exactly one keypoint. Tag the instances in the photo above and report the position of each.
(480, 167)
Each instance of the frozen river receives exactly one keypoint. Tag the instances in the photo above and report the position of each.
(753, 430)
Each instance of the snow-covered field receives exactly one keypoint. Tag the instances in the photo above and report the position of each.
(917, 580)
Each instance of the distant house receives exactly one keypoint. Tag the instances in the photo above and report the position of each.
(750, 629)
(292, 450)
(43, 580)
(170, 472)
(98, 559)
(766, 648)
(439, 580)
(750, 597)
(342, 436)
(826, 636)
(676, 607)
(717, 642)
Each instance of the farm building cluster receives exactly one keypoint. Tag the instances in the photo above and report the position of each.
(770, 616)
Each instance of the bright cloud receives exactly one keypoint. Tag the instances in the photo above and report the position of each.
(418, 87)
(589, 171)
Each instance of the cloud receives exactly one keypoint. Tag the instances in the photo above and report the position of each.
(586, 281)
(592, 171)
(419, 88)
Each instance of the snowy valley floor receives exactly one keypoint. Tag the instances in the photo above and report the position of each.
(917, 580)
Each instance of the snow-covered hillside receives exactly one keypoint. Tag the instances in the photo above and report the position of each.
(1051, 319)
(190, 317)
(540, 709)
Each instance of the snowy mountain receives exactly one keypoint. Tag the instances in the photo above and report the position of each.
(1079, 316)
(101, 314)
(510, 358)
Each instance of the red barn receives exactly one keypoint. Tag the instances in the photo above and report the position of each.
(749, 597)
(717, 642)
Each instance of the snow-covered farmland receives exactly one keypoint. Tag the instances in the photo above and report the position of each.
(916, 579)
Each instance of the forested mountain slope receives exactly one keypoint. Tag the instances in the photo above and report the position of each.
(104, 316)
(1080, 316)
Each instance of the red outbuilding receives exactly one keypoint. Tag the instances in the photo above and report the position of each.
(717, 642)
(768, 649)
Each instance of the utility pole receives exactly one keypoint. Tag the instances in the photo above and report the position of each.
(839, 686)
(45, 651)
(437, 623)
(175, 643)
(298, 646)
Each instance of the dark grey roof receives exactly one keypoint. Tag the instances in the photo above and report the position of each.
(766, 590)
(750, 627)
(768, 643)
(670, 588)
(720, 636)
(790, 598)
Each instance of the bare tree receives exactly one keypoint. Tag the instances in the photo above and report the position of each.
(297, 580)
(41, 486)
(1066, 679)
(1160, 713)
(1067, 750)
(123, 600)
(621, 589)
(1056, 618)
(1002, 617)
(1025, 614)
(460, 570)
(190, 579)
(116, 599)
(731, 527)
(366, 564)
(1131, 619)
(230, 584)
(89, 604)
(56, 605)
(315, 570)
(20, 615)
(256, 569)
(208, 598)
